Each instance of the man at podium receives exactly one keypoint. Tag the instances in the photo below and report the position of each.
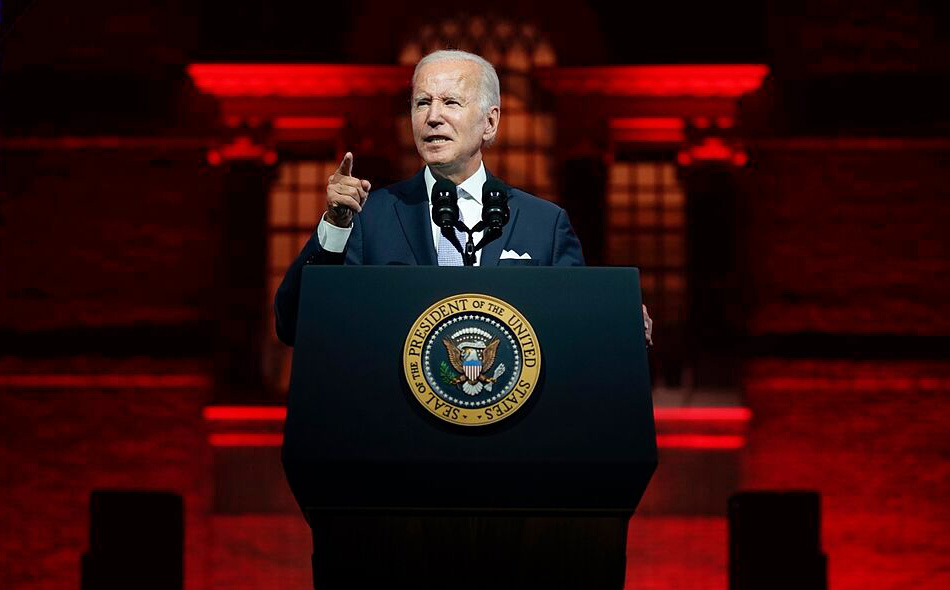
(455, 111)
(541, 502)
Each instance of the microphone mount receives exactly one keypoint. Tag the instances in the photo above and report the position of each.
(495, 215)
(470, 248)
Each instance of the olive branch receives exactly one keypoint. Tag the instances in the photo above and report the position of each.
(446, 374)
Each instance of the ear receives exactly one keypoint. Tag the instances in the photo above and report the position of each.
(491, 124)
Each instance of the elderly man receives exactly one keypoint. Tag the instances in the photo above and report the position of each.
(455, 110)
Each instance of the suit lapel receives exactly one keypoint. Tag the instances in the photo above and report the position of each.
(412, 210)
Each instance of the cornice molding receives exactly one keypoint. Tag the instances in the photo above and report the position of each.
(299, 80)
(699, 81)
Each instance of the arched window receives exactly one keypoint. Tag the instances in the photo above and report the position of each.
(645, 226)
(295, 203)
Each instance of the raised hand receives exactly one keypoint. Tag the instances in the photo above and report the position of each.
(346, 194)
(647, 326)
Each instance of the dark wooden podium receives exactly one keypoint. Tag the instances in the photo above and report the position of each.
(397, 497)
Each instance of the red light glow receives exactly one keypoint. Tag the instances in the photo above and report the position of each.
(246, 440)
(711, 442)
(647, 123)
(648, 129)
(711, 149)
(106, 381)
(860, 384)
(242, 148)
(725, 122)
(337, 80)
(732, 418)
(723, 442)
(299, 80)
(670, 80)
(732, 414)
(692, 414)
(322, 123)
(245, 413)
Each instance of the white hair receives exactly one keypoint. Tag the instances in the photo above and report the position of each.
(489, 94)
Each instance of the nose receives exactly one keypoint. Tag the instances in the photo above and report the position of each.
(434, 115)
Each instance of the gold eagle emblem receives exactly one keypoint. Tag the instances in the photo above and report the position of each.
(473, 364)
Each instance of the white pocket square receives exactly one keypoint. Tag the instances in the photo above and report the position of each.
(512, 255)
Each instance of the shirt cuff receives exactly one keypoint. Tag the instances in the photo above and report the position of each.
(331, 237)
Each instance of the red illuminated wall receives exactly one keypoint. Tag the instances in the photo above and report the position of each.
(872, 438)
(58, 443)
(848, 237)
(107, 239)
(111, 222)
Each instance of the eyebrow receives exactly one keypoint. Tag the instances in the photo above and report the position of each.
(442, 97)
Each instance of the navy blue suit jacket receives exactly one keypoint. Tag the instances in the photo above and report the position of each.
(395, 228)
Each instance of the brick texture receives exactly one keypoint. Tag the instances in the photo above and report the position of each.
(849, 241)
(56, 446)
(253, 552)
(840, 241)
(106, 238)
(677, 553)
(872, 439)
(823, 37)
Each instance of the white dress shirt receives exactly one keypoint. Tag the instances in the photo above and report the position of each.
(333, 238)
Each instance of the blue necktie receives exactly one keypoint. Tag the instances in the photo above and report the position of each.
(448, 255)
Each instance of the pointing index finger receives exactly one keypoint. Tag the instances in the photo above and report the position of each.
(346, 166)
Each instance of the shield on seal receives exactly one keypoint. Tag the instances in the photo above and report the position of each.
(473, 366)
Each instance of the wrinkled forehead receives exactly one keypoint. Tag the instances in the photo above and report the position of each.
(446, 77)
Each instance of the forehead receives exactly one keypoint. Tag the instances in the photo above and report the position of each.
(446, 76)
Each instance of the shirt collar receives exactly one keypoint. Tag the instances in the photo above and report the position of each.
(471, 185)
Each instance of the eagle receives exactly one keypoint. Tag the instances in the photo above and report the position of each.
(474, 366)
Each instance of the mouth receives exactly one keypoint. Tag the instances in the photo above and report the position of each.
(437, 139)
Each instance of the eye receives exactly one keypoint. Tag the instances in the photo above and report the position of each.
(422, 102)
(452, 102)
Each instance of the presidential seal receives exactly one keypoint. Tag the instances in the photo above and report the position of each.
(472, 359)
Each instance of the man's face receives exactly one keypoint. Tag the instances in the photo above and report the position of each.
(448, 123)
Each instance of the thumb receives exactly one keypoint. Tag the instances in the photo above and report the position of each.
(346, 166)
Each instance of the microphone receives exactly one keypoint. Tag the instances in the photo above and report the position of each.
(445, 207)
(445, 214)
(495, 212)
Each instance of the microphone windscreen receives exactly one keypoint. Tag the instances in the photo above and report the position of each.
(444, 186)
(495, 211)
(494, 189)
(445, 210)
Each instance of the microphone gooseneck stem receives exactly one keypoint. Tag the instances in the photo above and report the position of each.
(469, 251)
(491, 233)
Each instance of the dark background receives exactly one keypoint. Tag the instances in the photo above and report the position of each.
(132, 295)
